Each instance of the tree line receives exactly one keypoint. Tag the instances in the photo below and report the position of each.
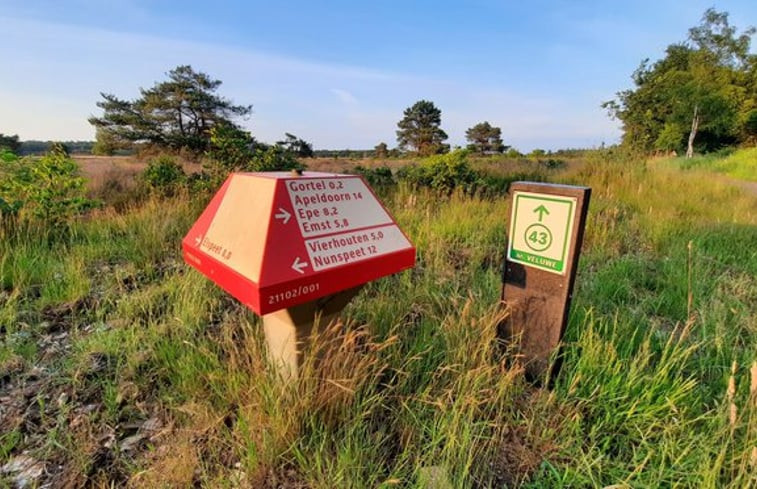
(701, 96)
(13, 144)
(185, 113)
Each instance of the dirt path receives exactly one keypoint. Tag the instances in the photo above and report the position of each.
(750, 187)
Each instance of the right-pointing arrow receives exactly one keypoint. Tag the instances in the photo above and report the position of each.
(283, 215)
(298, 265)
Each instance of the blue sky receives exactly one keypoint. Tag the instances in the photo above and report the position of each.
(340, 73)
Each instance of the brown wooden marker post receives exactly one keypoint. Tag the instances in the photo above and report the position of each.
(546, 231)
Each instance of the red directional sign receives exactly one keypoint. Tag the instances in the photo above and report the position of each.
(275, 240)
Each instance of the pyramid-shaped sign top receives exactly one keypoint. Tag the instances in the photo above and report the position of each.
(275, 240)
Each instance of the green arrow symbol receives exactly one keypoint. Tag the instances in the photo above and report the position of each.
(541, 210)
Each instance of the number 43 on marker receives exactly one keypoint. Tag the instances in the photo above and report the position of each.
(540, 227)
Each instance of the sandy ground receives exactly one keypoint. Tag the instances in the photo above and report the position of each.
(750, 187)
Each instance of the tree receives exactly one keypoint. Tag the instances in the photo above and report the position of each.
(485, 138)
(176, 114)
(105, 143)
(381, 150)
(296, 146)
(10, 142)
(670, 138)
(419, 129)
(701, 91)
(749, 127)
(716, 37)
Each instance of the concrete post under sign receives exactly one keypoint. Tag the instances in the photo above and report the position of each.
(287, 331)
(546, 231)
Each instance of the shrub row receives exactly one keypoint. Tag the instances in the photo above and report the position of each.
(451, 172)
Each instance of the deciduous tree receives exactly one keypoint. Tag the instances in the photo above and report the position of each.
(699, 95)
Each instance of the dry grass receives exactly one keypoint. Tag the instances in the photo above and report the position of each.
(101, 169)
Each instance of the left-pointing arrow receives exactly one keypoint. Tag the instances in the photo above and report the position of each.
(198, 240)
(283, 215)
(298, 265)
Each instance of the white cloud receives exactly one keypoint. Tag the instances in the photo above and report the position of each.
(344, 96)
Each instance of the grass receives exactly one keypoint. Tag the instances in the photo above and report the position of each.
(413, 384)
(740, 164)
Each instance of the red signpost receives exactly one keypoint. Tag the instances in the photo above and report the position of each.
(281, 240)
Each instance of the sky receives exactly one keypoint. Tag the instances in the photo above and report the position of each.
(339, 74)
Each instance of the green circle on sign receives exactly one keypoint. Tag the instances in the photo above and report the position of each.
(538, 237)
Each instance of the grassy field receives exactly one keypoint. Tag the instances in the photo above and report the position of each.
(121, 366)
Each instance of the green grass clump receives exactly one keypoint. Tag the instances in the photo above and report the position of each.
(740, 164)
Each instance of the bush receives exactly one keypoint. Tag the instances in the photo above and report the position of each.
(232, 150)
(118, 189)
(47, 188)
(164, 175)
(444, 173)
(8, 208)
(273, 158)
(450, 172)
(7, 156)
(552, 163)
(201, 183)
(376, 177)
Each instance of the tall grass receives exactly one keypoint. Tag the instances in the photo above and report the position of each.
(413, 381)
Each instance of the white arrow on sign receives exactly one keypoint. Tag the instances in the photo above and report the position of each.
(198, 240)
(283, 215)
(298, 265)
